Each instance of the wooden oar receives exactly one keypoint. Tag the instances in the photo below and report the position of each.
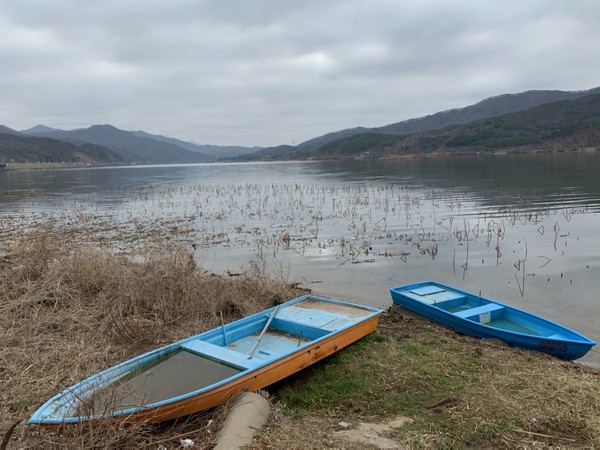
(223, 329)
(262, 333)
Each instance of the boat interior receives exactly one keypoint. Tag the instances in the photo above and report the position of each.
(169, 375)
(220, 354)
(264, 337)
(478, 309)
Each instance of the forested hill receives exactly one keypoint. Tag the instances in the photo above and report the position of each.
(132, 148)
(17, 148)
(485, 109)
(362, 136)
(560, 125)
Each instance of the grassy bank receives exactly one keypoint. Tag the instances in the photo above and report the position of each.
(461, 392)
(68, 310)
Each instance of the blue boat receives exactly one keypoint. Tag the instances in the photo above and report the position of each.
(484, 318)
(202, 371)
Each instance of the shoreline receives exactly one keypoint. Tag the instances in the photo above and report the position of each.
(40, 166)
(362, 156)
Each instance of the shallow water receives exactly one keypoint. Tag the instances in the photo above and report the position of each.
(521, 229)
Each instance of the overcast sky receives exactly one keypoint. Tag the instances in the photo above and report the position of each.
(269, 72)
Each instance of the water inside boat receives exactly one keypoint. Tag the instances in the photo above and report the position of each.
(171, 375)
(488, 313)
(509, 325)
(476, 309)
(273, 343)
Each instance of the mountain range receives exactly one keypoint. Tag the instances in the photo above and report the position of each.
(527, 119)
(562, 125)
(139, 146)
(489, 108)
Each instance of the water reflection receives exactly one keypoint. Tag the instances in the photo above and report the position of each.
(518, 228)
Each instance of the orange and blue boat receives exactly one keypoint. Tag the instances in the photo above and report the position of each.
(200, 372)
(485, 318)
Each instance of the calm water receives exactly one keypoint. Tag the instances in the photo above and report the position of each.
(524, 229)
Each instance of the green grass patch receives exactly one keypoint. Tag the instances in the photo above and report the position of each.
(459, 396)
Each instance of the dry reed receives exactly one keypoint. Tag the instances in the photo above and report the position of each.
(68, 310)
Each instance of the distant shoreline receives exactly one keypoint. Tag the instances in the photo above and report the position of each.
(516, 151)
(33, 166)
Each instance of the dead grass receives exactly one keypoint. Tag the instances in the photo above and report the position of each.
(69, 310)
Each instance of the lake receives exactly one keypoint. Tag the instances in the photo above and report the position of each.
(521, 229)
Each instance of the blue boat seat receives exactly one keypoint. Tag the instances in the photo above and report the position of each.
(219, 353)
(432, 298)
(300, 328)
(475, 312)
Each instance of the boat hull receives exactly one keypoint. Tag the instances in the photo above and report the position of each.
(257, 379)
(485, 318)
(302, 332)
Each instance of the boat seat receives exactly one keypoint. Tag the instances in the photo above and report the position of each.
(219, 353)
(432, 297)
(472, 312)
(299, 328)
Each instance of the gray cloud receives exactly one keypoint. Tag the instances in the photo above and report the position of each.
(268, 72)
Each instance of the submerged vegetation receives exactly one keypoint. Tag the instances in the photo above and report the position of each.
(341, 221)
(69, 309)
(518, 233)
